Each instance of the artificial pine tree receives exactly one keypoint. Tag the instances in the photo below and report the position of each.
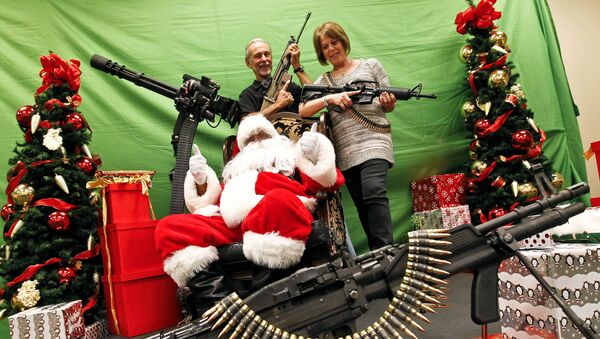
(506, 150)
(51, 251)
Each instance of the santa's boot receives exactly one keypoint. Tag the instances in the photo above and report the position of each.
(204, 290)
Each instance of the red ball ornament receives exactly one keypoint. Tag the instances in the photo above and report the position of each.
(480, 126)
(45, 124)
(87, 165)
(24, 114)
(496, 212)
(66, 274)
(7, 211)
(522, 140)
(59, 221)
(76, 120)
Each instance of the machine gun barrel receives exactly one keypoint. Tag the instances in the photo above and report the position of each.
(535, 207)
(108, 66)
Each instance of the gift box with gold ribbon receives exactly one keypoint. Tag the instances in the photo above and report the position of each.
(139, 296)
(125, 195)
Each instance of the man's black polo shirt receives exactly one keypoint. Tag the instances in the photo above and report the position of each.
(251, 98)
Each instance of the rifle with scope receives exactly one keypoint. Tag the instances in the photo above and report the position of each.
(281, 75)
(195, 100)
(367, 93)
(325, 300)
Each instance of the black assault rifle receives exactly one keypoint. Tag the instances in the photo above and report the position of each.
(281, 75)
(323, 301)
(367, 93)
(196, 100)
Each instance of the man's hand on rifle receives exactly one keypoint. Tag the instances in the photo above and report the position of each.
(284, 98)
(387, 101)
(342, 100)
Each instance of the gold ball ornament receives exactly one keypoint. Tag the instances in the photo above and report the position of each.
(477, 167)
(498, 38)
(465, 53)
(498, 78)
(23, 194)
(528, 190)
(557, 180)
(467, 109)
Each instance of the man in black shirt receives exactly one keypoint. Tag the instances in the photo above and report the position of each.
(259, 60)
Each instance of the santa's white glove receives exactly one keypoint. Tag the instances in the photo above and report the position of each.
(198, 166)
(309, 144)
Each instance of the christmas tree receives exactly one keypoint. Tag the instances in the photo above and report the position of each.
(51, 251)
(507, 167)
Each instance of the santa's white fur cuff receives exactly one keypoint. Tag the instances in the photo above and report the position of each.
(324, 171)
(185, 263)
(272, 250)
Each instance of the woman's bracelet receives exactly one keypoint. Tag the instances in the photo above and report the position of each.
(324, 102)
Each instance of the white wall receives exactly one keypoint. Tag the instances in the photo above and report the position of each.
(578, 28)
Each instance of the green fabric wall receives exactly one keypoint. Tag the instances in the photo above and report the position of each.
(416, 42)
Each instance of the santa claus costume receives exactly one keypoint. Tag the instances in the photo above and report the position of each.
(258, 202)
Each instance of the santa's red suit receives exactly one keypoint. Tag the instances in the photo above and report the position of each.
(258, 203)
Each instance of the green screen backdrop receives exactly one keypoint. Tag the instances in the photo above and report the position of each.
(415, 41)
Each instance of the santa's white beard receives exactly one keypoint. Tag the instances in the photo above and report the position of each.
(275, 155)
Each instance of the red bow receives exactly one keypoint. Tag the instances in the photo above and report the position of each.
(56, 71)
(481, 17)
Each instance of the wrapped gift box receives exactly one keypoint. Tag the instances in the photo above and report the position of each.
(126, 195)
(97, 330)
(438, 191)
(541, 239)
(129, 247)
(527, 311)
(139, 296)
(446, 217)
(59, 321)
(141, 302)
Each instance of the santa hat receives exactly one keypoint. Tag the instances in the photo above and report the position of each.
(251, 125)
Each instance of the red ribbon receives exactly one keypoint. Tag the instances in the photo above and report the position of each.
(486, 173)
(481, 17)
(10, 230)
(56, 71)
(91, 303)
(88, 254)
(497, 124)
(501, 61)
(50, 104)
(29, 272)
(56, 203)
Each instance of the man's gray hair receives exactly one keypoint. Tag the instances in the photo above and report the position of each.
(252, 42)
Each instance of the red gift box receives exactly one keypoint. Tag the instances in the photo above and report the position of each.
(140, 297)
(141, 302)
(126, 203)
(130, 247)
(438, 191)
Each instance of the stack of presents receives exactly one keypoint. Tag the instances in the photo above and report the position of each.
(139, 296)
(568, 257)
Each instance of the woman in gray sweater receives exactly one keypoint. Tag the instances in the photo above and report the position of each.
(361, 133)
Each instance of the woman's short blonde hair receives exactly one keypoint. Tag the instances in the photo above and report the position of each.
(334, 31)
